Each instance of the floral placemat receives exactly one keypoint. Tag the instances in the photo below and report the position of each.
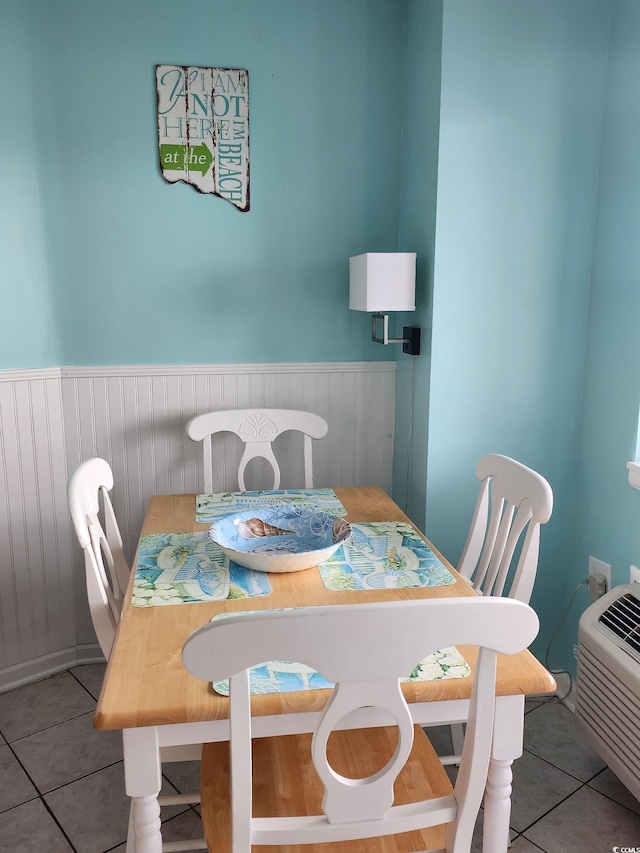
(186, 568)
(211, 507)
(384, 555)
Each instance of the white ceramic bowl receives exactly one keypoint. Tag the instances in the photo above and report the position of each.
(280, 538)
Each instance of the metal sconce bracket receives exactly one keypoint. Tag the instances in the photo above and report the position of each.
(410, 342)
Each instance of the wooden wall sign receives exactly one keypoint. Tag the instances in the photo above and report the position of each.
(203, 129)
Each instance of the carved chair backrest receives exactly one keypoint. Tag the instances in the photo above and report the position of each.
(257, 428)
(106, 569)
(512, 499)
(366, 673)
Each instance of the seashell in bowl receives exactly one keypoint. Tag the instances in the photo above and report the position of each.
(280, 538)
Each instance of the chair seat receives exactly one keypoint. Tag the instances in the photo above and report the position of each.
(286, 784)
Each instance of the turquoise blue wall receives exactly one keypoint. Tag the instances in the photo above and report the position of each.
(607, 509)
(520, 123)
(478, 134)
(142, 272)
(416, 233)
(27, 332)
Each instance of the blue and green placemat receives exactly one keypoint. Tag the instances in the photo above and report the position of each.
(288, 676)
(211, 507)
(186, 568)
(384, 555)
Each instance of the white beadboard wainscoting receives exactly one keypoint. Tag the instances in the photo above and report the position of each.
(135, 417)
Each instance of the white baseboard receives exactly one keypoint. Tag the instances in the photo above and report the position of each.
(565, 691)
(89, 654)
(568, 696)
(37, 669)
(43, 667)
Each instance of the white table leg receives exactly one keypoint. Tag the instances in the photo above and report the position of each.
(497, 807)
(507, 745)
(131, 847)
(143, 780)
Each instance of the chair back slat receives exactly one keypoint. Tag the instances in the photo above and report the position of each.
(113, 537)
(343, 801)
(258, 450)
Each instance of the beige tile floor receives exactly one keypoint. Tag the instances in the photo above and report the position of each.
(61, 782)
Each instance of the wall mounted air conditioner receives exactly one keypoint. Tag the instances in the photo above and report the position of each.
(608, 686)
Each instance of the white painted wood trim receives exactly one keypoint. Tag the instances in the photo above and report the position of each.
(37, 669)
(91, 653)
(30, 374)
(634, 474)
(228, 369)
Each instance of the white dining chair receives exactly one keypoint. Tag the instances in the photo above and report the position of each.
(257, 428)
(107, 577)
(341, 784)
(512, 504)
(106, 569)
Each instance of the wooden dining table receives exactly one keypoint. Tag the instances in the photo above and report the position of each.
(150, 696)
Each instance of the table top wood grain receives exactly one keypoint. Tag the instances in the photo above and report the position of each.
(146, 683)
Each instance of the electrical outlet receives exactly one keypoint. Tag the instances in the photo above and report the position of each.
(597, 586)
(634, 575)
(597, 567)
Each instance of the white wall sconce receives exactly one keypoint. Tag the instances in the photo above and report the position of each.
(385, 281)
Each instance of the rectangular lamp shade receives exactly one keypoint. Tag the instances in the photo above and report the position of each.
(382, 281)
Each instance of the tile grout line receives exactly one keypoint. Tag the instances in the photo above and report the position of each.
(555, 767)
(532, 843)
(28, 775)
(568, 797)
(583, 782)
(80, 778)
(84, 686)
(46, 728)
(555, 806)
(41, 796)
(54, 818)
(53, 725)
(38, 796)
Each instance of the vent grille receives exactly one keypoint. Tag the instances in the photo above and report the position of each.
(607, 710)
(608, 686)
(622, 620)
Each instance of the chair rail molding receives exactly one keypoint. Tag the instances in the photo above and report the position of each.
(30, 373)
(135, 416)
(229, 369)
